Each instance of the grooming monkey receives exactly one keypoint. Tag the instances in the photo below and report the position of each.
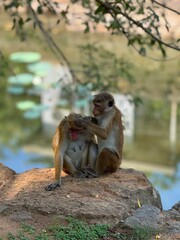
(74, 149)
(109, 132)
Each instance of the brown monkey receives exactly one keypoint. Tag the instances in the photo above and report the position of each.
(109, 132)
(74, 149)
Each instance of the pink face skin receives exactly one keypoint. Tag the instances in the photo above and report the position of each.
(98, 109)
(74, 134)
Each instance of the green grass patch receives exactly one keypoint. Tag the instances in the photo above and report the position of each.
(78, 230)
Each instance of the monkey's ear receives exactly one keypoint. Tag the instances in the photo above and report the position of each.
(110, 103)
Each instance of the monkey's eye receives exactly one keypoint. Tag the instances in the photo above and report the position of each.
(110, 103)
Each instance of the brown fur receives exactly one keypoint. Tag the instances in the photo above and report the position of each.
(62, 143)
(109, 131)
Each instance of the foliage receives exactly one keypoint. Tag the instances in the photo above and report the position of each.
(79, 230)
(74, 230)
(104, 70)
(140, 21)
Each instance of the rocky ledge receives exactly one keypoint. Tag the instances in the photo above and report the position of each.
(121, 198)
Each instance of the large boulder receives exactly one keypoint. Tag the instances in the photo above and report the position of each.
(166, 224)
(107, 199)
(6, 174)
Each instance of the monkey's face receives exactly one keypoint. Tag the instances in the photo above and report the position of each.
(102, 102)
(74, 129)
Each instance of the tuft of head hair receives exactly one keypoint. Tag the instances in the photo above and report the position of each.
(104, 96)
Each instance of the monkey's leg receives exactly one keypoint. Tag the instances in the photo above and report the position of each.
(68, 165)
(107, 161)
(87, 169)
(92, 158)
(58, 168)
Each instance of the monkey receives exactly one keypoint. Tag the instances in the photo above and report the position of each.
(109, 132)
(75, 150)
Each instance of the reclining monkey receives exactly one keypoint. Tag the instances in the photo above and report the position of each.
(74, 149)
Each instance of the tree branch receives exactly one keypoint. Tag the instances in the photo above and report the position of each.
(165, 6)
(108, 7)
(53, 46)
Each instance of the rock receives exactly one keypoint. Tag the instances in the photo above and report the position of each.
(165, 223)
(5, 174)
(177, 206)
(147, 216)
(21, 216)
(106, 199)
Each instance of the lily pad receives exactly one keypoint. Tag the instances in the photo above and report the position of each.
(37, 90)
(35, 112)
(32, 114)
(15, 90)
(40, 69)
(81, 103)
(21, 79)
(25, 105)
(40, 107)
(25, 57)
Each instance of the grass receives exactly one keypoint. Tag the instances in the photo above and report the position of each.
(74, 230)
(78, 230)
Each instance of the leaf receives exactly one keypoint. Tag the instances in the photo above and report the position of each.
(28, 19)
(142, 51)
(139, 203)
(163, 51)
(21, 22)
(39, 10)
(99, 9)
(87, 29)
(14, 23)
(58, 21)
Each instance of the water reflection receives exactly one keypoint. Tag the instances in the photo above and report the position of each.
(21, 161)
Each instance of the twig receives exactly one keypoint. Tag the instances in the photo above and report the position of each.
(165, 6)
(53, 46)
(108, 7)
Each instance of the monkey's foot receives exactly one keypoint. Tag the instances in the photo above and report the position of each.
(85, 172)
(52, 186)
(90, 173)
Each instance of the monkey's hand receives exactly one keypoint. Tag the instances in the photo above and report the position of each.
(81, 123)
(52, 186)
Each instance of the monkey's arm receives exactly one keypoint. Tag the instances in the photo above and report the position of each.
(101, 132)
(59, 146)
(58, 168)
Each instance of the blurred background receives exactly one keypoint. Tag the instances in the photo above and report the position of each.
(37, 92)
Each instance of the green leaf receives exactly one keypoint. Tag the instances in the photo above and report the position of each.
(21, 22)
(39, 10)
(99, 9)
(87, 29)
(163, 51)
(142, 51)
